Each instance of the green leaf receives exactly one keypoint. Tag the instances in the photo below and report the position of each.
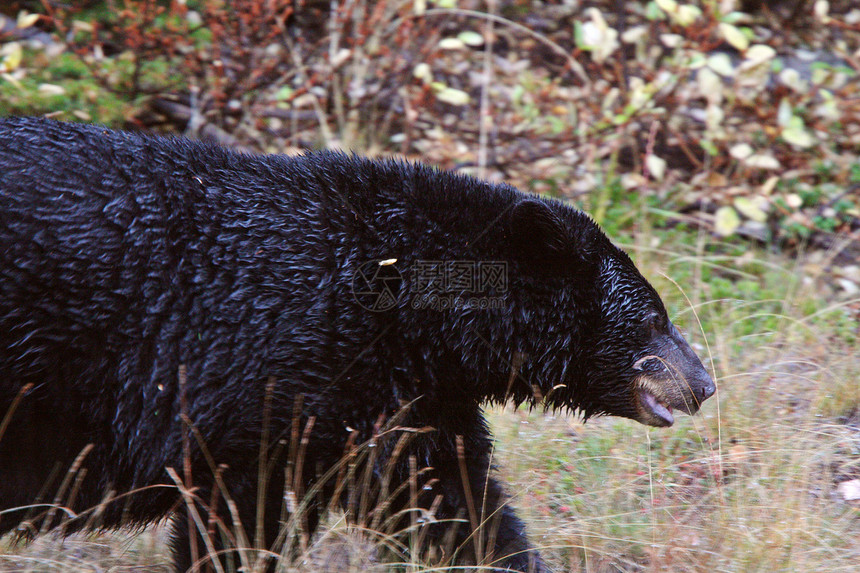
(653, 12)
(471, 38)
(710, 147)
(284, 93)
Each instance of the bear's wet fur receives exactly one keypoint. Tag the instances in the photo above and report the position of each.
(124, 257)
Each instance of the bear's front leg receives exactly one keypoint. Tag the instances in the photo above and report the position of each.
(512, 545)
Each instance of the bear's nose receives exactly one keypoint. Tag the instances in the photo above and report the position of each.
(707, 390)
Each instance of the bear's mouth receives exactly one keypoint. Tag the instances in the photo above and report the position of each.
(653, 410)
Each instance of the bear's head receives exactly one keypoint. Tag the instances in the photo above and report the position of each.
(602, 342)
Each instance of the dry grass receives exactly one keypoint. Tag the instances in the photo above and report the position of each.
(115, 552)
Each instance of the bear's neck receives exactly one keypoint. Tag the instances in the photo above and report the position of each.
(510, 349)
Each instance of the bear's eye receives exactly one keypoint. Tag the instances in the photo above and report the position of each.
(652, 324)
(649, 364)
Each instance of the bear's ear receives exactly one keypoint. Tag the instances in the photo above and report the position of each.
(537, 234)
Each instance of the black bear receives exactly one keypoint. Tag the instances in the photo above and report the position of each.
(167, 303)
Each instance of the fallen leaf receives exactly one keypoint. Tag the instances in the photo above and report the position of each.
(753, 209)
(791, 78)
(26, 20)
(687, 14)
(726, 221)
(453, 96)
(451, 44)
(656, 166)
(821, 9)
(51, 90)
(634, 34)
(423, 72)
(759, 53)
(471, 38)
(762, 161)
(597, 37)
(796, 133)
(671, 40)
(768, 186)
(741, 151)
(714, 116)
(784, 113)
(793, 200)
(734, 36)
(14, 55)
(668, 6)
(722, 64)
(340, 57)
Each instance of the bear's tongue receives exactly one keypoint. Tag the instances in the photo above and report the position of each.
(657, 407)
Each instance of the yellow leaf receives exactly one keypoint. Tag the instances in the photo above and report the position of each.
(687, 14)
(768, 186)
(453, 96)
(751, 209)
(423, 72)
(26, 20)
(726, 221)
(668, 6)
(796, 134)
(11, 79)
(734, 36)
(14, 55)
